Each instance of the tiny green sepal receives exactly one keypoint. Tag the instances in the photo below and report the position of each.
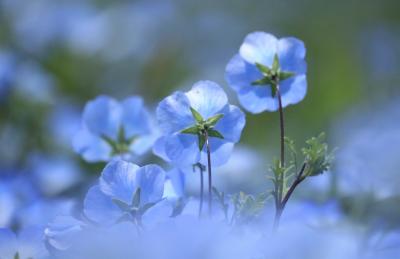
(275, 64)
(285, 75)
(213, 120)
(196, 115)
(136, 198)
(262, 81)
(215, 134)
(202, 141)
(191, 130)
(263, 69)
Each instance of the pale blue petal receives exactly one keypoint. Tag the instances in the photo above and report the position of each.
(291, 52)
(220, 152)
(31, 243)
(176, 186)
(173, 113)
(118, 180)
(259, 47)
(182, 149)
(100, 208)
(293, 90)
(62, 231)
(91, 147)
(8, 243)
(159, 148)
(207, 97)
(135, 118)
(258, 99)
(150, 179)
(241, 74)
(143, 144)
(156, 214)
(102, 116)
(232, 124)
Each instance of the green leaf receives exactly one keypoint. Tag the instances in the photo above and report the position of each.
(122, 205)
(285, 75)
(191, 130)
(214, 119)
(263, 69)
(317, 156)
(215, 134)
(136, 198)
(196, 115)
(202, 141)
(275, 64)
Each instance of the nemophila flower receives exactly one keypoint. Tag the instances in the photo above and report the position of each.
(126, 192)
(111, 128)
(27, 244)
(184, 118)
(264, 64)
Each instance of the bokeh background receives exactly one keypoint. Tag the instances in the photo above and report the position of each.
(57, 55)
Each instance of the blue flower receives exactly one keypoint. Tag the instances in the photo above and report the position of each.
(126, 192)
(263, 63)
(112, 128)
(182, 115)
(28, 244)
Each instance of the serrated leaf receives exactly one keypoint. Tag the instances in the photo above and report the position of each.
(215, 134)
(214, 119)
(202, 141)
(263, 69)
(121, 204)
(136, 198)
(191, 130)
(196, 115)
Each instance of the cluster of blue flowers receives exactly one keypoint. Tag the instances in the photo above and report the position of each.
(143, 211)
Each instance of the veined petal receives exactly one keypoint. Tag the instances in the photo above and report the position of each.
(232, 124)
(293, 90)
(100, 208)
(259, 47)
(220, 152)
(257, 99)
(207, 98)
(173, 113)
(182, 149)
(159, 148)
(8, 243)
(135, 117)
(150, 179)
(291, 52)
(118, 180)
(102, 116)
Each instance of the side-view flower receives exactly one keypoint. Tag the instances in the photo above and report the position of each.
(111, 128)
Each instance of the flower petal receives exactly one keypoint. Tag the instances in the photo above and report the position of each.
(159, 148)
(220, 152)
(91, 147)
(31, 243)
(291, 52)
(182, 149)
(232, 124)
(150, 179)
(8, 243)
(240, 73)
(100, 208)
(118, 180)
(257, 99)
(173, 113)
(259, 47)
(102, 116)
(207, 97)
(293, 90)
(135, 118)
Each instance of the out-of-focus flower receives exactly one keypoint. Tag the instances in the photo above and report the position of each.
(264, 63)
(125, 192)
(111, 128)
(184, 118)
(29, 243)
(367, 160)
(7, 72)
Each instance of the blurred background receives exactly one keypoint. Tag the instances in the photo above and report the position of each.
(57, 55)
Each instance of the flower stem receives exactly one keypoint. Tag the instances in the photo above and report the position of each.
(279, 203)
(209, 173)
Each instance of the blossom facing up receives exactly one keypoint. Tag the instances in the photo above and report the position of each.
(183, 119)
(263, 64)
(111, 128)
(126, 192)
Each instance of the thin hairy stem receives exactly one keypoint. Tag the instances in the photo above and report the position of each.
(201, 189)
(209, 173)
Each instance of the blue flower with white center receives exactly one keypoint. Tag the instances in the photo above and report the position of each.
(185, 118)
(265, 65)
(111, 128)
(127, 192)
(29, 243)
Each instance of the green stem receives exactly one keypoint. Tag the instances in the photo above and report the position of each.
(209, 173)
(201, 190)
